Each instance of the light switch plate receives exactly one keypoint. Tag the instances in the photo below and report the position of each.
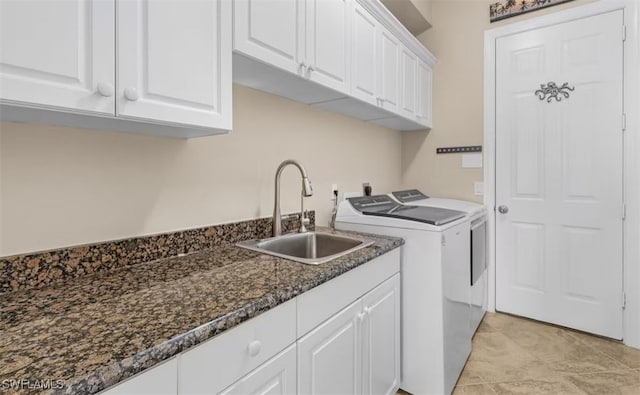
(472, 161)
(478, 188)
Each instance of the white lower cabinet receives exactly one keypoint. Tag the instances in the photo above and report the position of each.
(277, 376)
(159, 380)
(381, 339)
(342, 337)
(215, 364)
(357, 351)
(329, 357)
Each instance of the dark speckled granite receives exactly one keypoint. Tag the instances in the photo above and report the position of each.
(97, 330)
(34, 270)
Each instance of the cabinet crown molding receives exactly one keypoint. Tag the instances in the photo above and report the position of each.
(385, 17)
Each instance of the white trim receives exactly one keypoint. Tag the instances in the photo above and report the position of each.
(631, 9)
(388, 20)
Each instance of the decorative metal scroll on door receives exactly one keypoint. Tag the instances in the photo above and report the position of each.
(554, 91)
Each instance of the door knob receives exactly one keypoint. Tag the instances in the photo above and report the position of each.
(105, 89)
(503, 209)
(131, 94)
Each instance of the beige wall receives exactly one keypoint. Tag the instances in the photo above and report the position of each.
(425, 8)
(456, 38)
(63, 187)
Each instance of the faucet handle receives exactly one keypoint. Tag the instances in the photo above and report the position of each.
(305, 218)
(304, 221)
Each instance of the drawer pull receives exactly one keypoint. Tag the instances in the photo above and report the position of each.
(254, 348)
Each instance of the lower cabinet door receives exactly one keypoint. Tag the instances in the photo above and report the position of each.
(277, 376)
(381, 338)
(329, 357)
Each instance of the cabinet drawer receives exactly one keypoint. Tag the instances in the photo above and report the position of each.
(276, 376)
(159, 380)
(320, 303)
(214, 365)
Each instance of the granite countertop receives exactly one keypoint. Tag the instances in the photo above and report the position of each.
(97, 330)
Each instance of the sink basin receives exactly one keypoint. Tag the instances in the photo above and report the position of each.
(312, 248)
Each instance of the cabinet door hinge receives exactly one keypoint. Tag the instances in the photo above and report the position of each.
(624, 300)
(624, 33)
(624, 122)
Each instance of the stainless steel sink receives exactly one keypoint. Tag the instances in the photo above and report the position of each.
(311, 248)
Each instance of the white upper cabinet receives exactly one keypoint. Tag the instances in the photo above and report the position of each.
(423, 97)
(304, 37)
(348, 56)
(174, 61)
(58, 54)
(408, 81)
(270, 31)
(364, 55)
(166, 70)
(389, 72)
(327, 43)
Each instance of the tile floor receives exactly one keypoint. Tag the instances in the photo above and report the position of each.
(514, 355)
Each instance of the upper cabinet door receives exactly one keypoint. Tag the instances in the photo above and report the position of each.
(423, 105)
(174, 62)
(270, 31)
(328, 43)
(389, 77)
(364, 55)
(408, 74)
(58, 54)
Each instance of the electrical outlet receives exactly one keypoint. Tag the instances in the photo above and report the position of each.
(366, 189)
(334, 192)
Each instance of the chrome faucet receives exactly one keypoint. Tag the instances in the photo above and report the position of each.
(306, 191)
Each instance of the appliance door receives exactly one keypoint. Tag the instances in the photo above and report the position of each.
(478, 248)
(456, 306)
(478, 276)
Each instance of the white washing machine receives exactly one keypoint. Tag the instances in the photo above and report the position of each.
(477, 214)
(436, 341)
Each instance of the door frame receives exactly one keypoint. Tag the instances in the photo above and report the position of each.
(631, 165)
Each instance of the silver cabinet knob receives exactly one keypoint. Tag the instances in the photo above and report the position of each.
(131, 94)
(503, 209)
(105, 89)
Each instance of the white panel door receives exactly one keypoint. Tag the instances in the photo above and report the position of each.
(364, 55)
(328, 39)
(423, 97)
(277, 376)
(58, 53)
(559, 175)
(408, 82)
(271, 31)
(381, 339)
(174, 61)
(329, 357)
(389, 73)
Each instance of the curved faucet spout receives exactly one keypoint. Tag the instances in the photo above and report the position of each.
(307, 190)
